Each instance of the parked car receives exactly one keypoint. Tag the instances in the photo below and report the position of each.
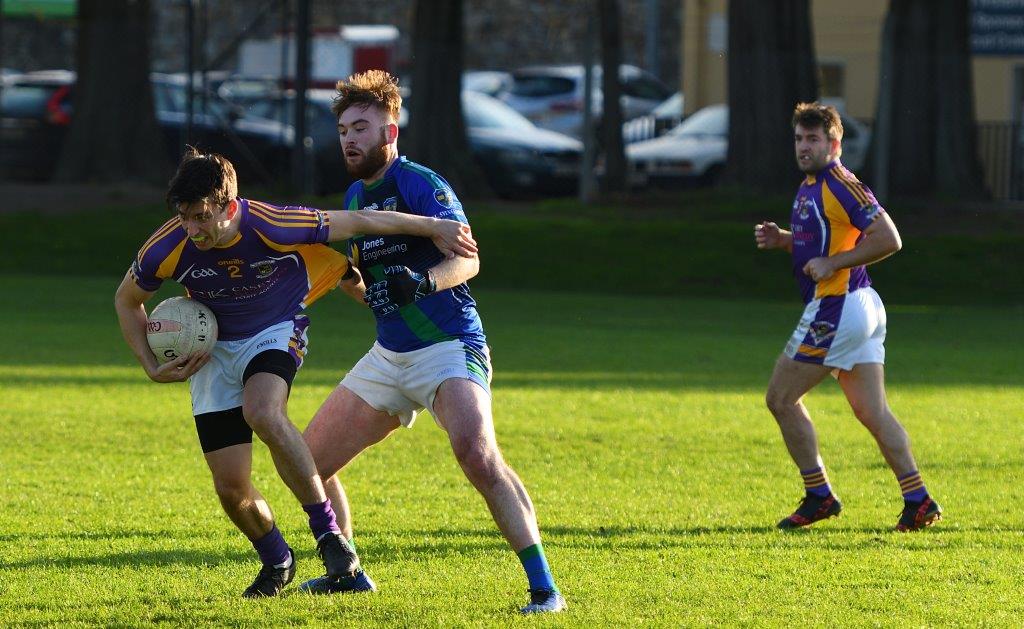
(516, 156)
(259, 148)
(490, 82)
(37, 107)
(695, 151)
(552, 96)
(662, 118)
(35, 111)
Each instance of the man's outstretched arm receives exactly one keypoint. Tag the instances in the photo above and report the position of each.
(451, 237)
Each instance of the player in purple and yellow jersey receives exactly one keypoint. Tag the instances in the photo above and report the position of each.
(257, 267)
(430, 351)
(837, 227)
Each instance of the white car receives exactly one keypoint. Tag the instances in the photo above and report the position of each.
(552, 96)
(695, 151)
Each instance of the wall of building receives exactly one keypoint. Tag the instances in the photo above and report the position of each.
(847, 35)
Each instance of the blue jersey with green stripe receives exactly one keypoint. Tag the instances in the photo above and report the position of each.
(445, 315)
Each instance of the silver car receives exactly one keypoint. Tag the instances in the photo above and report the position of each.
(552, 96)
(695, 151)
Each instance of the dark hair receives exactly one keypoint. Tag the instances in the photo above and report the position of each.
(815, 114)
(373, 88)
(202, 176)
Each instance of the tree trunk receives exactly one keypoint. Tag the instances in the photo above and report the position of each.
(436, 136)
(114, 135)
(609, 16)
(924, 141)
(771, 68)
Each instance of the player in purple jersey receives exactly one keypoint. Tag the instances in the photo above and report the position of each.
(257, 267)
(430, 350)
(837, 227)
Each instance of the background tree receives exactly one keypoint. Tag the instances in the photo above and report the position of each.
(924, 137)
(113, 136)
(609, 17)
(436, 135)
(771, 67)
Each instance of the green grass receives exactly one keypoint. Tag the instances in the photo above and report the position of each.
(695, 244)
(637, 423)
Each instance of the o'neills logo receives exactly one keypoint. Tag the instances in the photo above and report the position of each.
(237, 261)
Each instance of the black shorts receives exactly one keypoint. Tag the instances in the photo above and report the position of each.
(222, 429)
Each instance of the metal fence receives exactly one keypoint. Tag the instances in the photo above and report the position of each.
(1001, 150)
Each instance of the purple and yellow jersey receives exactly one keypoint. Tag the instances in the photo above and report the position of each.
(830, 212)
(275, 266)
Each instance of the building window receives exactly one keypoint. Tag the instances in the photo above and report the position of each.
(831, 78)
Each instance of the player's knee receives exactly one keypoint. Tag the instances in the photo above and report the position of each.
(233, 492)
(266, 421)
(776, 402)
(478, 460)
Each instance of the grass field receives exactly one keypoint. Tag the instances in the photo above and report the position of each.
(637, 423)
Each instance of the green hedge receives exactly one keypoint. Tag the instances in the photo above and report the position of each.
(697, 244)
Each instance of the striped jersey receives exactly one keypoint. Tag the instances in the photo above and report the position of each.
(273, 269)
(447, 314)
(830, 212)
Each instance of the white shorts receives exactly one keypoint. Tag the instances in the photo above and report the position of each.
(402, 383)
(841, 331)
(218, 385)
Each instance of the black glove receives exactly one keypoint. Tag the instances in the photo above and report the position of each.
(399, 287)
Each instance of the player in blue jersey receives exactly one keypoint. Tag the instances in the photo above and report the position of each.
(837, 227)
(257, 267)
(430, 350)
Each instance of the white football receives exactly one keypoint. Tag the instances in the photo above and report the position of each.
(180, 326)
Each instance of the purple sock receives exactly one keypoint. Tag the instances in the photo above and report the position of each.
(816, 482)
(321, 518)
(272, 548)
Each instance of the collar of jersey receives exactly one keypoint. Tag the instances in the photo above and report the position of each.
(812, 179)
(387, 173)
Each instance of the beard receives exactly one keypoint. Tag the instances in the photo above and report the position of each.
(372, 162)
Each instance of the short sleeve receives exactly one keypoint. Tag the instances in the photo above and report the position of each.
(857, 200)
(428, 194)
(158, 257)
(289, 225)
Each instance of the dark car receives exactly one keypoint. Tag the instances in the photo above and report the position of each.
(259, 148)
(517, 157)
(328, 172)
(35, 111)
(37, 108)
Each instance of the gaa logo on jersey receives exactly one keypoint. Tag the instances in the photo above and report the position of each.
(391, 204)
(264, 268)
(822, 331)
(443, 196)
(804, 207)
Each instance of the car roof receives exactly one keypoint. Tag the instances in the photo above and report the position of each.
(44, 77)
(571, 70)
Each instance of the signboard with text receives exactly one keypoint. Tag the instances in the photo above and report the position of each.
(997, 27)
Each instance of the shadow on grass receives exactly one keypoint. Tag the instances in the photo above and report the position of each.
(715, 537)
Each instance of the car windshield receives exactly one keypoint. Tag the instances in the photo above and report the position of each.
(539, 86)
(170, 97)
(707, 121)
(483, 111)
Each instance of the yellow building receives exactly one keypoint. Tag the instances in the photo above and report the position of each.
(848, 41)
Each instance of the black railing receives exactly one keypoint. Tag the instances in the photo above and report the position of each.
(1001, 150)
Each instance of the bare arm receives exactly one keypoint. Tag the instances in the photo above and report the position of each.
(131, 315)
(880, 240)
(451, 237)
(454, 271)
(353, 286)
